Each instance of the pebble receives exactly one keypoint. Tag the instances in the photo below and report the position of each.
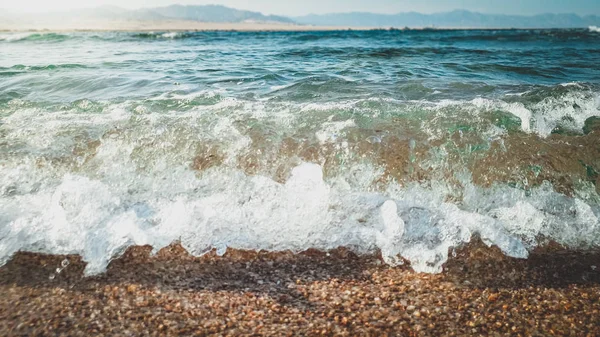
(173, 294)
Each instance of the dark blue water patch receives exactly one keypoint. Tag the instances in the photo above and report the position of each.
(505, 35)
(318, 36)
(383, 53)
(507, 69)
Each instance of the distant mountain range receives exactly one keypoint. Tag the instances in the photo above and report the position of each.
(222, 14)
(207, 13)
(454, 19)
(215, 13)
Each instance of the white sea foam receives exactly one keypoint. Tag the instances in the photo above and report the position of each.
(98, 217)
(570, 110)
(170, 35)
(189, 96)
(517, 109)
(330, 131)
(95, 184)
(594, 29)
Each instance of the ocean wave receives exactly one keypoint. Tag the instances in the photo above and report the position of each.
(165, 35)
(315, 37)
(20, 67)
(542, 110)
(106, 37)
(248, 175)
(381, 52)
(521, 35)
(33, 37)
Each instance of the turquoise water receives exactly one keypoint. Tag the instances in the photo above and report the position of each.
(407, 142)
(430, 65)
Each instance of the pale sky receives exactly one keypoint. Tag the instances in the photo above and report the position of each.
(302, 7)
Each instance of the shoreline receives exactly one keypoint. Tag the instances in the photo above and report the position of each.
(481, 291)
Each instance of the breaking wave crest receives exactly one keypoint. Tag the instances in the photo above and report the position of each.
(35, 37)
(99, 218)
(96, 184)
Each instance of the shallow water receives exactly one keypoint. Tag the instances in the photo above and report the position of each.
(408, 142)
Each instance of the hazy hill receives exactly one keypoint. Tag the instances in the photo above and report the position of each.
(208, 13)
(111, 13)
(458, 18)
(216, 13)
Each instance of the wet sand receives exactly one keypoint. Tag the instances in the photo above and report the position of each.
(481, 292)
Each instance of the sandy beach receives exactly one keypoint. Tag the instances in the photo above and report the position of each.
(481, 292)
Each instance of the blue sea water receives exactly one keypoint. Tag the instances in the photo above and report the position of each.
(405, 141)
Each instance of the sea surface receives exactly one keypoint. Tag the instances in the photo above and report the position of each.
(411, 143)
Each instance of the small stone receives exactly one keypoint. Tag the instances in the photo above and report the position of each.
(591, 124)
(493, 297)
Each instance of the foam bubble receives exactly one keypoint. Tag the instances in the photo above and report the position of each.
(330, 131)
